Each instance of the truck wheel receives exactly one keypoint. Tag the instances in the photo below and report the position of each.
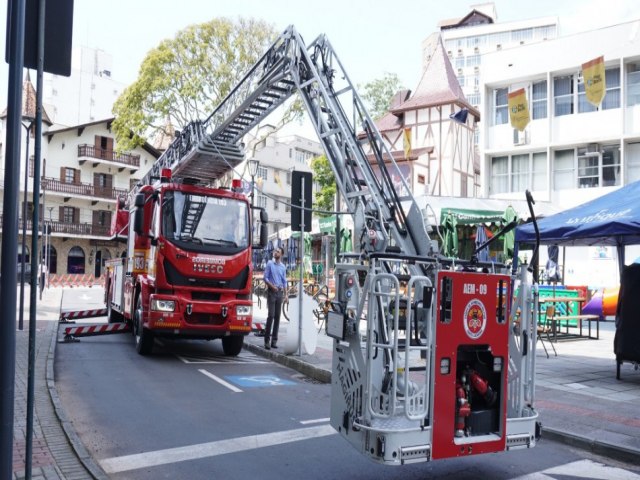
(144, 337)
(232, 346)
(112, 315)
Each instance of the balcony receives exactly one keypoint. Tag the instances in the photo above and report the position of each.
(82, 189)
(101, 155)
(85, 229)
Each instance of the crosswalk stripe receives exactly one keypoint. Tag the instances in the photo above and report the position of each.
(211, 449)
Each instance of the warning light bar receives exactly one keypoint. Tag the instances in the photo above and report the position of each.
(236, 185)
(165, 174)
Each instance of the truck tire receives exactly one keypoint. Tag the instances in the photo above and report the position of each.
(143, 336)
(232, 346)
(112, 315)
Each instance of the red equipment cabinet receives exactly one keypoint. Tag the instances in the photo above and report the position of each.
(471, 356)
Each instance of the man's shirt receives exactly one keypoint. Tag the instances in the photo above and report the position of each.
(276, 274)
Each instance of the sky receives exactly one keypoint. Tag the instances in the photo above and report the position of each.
(370, 37)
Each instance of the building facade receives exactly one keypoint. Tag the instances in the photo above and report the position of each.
(82, 177)
(88, 94)
(468, 39)
(571, 151)
(278, 158)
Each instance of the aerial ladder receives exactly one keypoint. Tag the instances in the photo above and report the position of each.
(433, 357)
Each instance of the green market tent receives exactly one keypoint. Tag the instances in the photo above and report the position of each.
(452, 218)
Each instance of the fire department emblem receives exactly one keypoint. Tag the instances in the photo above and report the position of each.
(475, 319)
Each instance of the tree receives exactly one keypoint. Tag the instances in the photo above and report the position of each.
(185, 78)
(378, 94)
(323, 176)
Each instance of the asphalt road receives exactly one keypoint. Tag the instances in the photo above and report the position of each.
(189, 412)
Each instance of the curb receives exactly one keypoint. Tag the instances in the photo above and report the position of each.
(81, 452)
(317, 373)
(598, 447)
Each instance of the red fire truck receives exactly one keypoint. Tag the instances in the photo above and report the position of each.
(433, 357)
(187, 272)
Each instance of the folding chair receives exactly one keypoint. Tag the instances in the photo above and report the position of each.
(545, 330)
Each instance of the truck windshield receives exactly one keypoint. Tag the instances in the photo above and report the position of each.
(205, 223)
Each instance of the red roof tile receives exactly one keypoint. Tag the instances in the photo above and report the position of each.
(438, 86)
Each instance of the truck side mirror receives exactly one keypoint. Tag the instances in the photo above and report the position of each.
(138, 213)
(264, 216)
(264, 235)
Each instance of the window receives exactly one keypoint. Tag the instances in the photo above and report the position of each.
(519, 173)
(563, 166)
(302, 156)
(75, 260)
(31, 165)
(461, 80)
(539, 100)
(597, 167)
(460, 61)
(611, 165)
(70, 175)
(287, 206)
(262, 201)
(473, 60)
(276, 203)
(499, 175)
(563, 95)
(587, 169)
(262, 173)
(68, 214)
(632, 159)
(539, 171)
(288, 178)
(633, 84)
(474, 99)
(421, 179)
(501, 106)
(612, 97)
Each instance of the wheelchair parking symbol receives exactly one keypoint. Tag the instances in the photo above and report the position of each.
(258, 380)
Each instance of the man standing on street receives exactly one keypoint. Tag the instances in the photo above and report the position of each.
(275, 276)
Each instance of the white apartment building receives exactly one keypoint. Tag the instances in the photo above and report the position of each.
(88, 94)
(571, 151)
(279, 157)
(82, 176)
(468, 39)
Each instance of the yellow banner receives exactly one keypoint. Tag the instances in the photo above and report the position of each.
(518, 109)
(406, 141)
(594, 80)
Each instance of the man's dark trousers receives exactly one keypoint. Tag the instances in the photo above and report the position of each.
(274, 305)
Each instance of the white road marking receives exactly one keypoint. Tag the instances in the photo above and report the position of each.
(592, 470)
(582, 469)
(208, 359)
(222, 382)
(317, 420)
(211, 449)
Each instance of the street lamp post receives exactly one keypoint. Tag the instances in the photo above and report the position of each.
(253, 165)
(24, 225)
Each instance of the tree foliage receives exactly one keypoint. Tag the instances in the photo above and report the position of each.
(378, 93)
(324, 177)
(185, 78)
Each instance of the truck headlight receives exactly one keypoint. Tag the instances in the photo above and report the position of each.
(243, 310)
(163, 305)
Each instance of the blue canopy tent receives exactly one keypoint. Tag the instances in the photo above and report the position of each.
(612, 219)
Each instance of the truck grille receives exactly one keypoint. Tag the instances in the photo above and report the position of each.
(176, 278)
(205, 319)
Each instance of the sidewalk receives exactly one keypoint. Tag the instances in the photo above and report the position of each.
(58, 453)
(577, 395)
